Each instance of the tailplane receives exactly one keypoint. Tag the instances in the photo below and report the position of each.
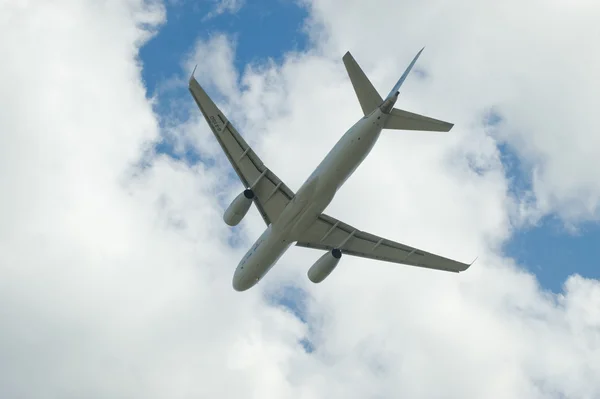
(404, 120)
(369, 100)
(368, 97)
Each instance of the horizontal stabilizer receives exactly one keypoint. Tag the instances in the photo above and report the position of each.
(404, 120)
(367, 95)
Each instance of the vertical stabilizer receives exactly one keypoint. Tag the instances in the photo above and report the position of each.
(396, 89)
(368, 97)
(399, 119)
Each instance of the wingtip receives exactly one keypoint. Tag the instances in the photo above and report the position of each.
(193, 71)
(467, 266)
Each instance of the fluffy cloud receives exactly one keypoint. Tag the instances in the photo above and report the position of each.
(115, 279)
(526, 60)
(491, 331)
(223, 7)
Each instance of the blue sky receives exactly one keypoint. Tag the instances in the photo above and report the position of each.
(272, 27)
(262, 29)
(549, 250)
(266, 29)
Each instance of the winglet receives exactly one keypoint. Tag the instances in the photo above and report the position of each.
(192, 75)
(473, 261)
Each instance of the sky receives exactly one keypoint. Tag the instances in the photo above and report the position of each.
(116, 267)
(267, 30)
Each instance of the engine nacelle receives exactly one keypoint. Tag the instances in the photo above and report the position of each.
(324, 266)
(238, 208)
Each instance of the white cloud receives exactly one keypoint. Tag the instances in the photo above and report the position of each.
(405, 332)
(111, 273)
(529, 60)
(223, 7)
(108, 283)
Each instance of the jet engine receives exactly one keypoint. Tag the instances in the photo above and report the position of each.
(238, 208)
(324, 266)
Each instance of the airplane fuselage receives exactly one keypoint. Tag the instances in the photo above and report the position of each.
(311, 199)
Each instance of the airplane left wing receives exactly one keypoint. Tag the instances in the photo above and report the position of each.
(328, 233)
(271, 194)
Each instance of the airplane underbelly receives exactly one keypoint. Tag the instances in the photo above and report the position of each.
(306, 219)
(344, 165)
(267, 258)
(260, 259)
(312, 199)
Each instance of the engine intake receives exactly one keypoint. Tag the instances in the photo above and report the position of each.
(324, 266)
(238, 208)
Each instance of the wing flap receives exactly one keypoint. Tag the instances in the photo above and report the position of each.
(271, 194)
(328, 233)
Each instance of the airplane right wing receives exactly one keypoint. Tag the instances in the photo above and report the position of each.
(328, 233)
(271, 194)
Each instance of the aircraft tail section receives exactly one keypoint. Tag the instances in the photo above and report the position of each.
(370, 100)
(396, 89)
(368, 97)
(403, 120)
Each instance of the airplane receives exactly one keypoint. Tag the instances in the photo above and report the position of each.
(298, 218)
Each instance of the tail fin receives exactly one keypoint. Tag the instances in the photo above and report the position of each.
(368, 97)
(403, 120)
(396, 89)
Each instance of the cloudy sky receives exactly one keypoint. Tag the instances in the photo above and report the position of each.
(116, 267)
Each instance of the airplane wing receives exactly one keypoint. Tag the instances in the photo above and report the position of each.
(328, 233)
(271, 194)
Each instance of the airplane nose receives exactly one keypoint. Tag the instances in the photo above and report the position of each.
(240, 283)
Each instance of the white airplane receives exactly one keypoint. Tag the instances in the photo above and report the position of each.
(298, 218)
